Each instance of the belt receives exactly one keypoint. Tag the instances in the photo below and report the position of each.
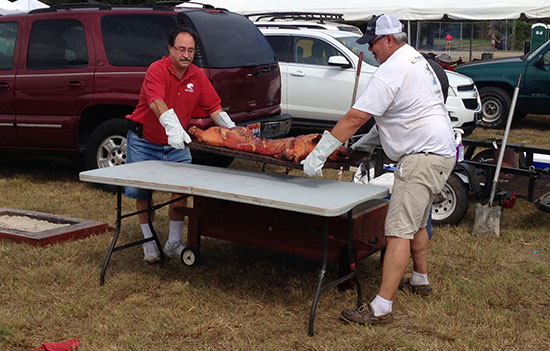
(134, 127)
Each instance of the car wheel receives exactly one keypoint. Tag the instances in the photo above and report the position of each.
(495, 104)
(107, 145)
(451, 204)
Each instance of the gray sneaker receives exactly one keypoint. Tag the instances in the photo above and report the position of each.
(173, 249)
(151, 253)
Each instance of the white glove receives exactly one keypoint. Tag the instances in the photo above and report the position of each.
(316, 159)
(223, 120)
(368, 142)
(177, 136)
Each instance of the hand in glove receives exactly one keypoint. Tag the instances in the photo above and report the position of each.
(177, 136)
(368, 142)
(223, 120)
(314, 162)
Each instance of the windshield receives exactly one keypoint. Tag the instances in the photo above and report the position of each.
(350, 43)
(532, 54)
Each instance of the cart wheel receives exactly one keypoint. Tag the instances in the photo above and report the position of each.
(190, 256)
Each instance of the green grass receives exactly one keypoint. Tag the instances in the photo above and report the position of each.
(490, 293)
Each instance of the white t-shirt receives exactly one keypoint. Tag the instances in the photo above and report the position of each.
(405, 98)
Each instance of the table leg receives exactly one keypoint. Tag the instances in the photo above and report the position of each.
(117, 232)
(150, 211)
(353, 274)
(324, 243)
(351, 261)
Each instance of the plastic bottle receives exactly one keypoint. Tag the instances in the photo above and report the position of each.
(459, 145)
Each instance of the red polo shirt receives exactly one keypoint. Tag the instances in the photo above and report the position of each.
(183, 95)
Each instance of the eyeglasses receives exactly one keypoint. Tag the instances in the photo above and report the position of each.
(183, 50)
(375, 40)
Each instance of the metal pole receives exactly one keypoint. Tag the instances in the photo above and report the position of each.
(418, 42)
(471, 39)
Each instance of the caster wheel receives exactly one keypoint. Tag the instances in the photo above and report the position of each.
(190, 256)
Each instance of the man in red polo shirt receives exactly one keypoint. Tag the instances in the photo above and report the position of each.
(173, 88)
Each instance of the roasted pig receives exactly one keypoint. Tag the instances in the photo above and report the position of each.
(293, 149)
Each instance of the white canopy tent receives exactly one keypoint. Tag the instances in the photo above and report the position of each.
(29, 5)
(412, 10)
(7, 8)
(405, 10)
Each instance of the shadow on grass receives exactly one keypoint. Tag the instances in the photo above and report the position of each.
(263, 275)
(41, 165)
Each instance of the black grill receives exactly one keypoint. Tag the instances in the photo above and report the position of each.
(470, 104)
(465, 87)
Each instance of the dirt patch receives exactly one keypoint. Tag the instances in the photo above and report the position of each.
(28, 224)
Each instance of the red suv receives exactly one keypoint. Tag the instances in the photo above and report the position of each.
(69, 75)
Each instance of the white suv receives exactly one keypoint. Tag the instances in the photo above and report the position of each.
(313, 20)
(318, 69)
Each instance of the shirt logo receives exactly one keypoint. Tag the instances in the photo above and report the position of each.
(190, 88)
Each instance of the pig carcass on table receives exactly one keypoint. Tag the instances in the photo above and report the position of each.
(293, 149)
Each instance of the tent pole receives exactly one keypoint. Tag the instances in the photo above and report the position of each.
(418, 35)
(409, 31)
(471, 39)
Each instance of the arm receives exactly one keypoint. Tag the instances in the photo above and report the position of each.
(348, 125)
(344, 129)
(177, 136)
(222, 119)
(158, 107)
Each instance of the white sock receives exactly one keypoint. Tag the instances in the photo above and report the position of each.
(419, 279)
(381, 306)
(146, 231)
(176, 227)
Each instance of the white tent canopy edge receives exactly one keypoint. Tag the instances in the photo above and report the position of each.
(361, 10)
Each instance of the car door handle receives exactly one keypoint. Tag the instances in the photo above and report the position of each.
(75, 85)
(297, 73)
(5, 86)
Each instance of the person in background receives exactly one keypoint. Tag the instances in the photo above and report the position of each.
(406, 100)
(494, 42)
(173, 88)
(449, 39)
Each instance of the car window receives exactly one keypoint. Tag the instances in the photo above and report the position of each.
(8, 34)
(57, 44)
(546, 58)
(227, 40)
(314, 51)
(281, 45)
(350, 43)
(136, 40)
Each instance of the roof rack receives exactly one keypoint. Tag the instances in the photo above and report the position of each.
(74, 4)
(175, 3)
(91, 4)
(317, 16)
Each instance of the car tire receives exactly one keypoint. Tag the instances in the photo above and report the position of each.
(106, 146)
(451, 204)
(495, 105)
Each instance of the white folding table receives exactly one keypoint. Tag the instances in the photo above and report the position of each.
(313, 196)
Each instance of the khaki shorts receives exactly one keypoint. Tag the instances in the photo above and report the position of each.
(418, 178)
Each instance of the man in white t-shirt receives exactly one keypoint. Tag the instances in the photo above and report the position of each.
(405, 98)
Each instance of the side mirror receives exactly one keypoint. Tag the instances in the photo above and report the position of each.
(339, 61)
(539, 62)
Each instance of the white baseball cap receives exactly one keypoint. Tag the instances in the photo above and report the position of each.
(380, 25)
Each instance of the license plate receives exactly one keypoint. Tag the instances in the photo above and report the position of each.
(255, 127)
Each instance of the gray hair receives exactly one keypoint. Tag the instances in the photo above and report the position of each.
(400, 37)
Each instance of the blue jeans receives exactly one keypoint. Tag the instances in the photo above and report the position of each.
(139, 149)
